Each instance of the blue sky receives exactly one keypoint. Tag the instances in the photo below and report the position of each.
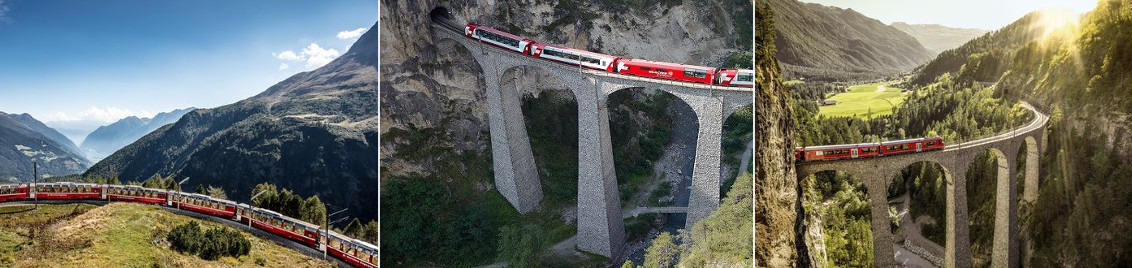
(74, 63)
(979, 14)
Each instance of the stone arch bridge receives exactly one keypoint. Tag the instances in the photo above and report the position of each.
(600, 225)
(877, 174)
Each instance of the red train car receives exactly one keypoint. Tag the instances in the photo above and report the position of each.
(666, 70)
(836, 152)
(204, 204)
(135, 194)
(735, 78)
(576, 57)
(284, 226)
(67, 191)
(865, 150)
(355, 252)
(12, 192)
(498, 38)
(911, 146)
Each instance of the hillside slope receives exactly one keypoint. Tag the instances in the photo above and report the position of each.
(314, 133)
(24, 140)
(938, 38)
(829, 43)
(987, 56)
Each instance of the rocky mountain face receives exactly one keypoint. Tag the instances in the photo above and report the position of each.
(938, 38)
(818, 42)
(109, 138)
(24, 140)
(776, 182)
(314, 133)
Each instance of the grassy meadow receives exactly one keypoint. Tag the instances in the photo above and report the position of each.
(864, 101)
(117, 235)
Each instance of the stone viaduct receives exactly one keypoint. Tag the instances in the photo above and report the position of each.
(600, 226)
(877, 174)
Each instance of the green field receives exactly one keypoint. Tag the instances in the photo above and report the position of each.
(864, 101)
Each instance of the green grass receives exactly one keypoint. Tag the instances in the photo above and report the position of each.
(117, 235)
(864, 101)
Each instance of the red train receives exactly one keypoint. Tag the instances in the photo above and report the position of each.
(352, 251)
(609, 63)
(866, 150)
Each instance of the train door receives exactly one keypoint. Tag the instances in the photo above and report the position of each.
(919, 147)
(853, 152)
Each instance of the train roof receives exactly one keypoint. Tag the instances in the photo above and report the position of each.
(579, 51)
(910, 140)
(499, 32)
(284, 217)
(839, 146)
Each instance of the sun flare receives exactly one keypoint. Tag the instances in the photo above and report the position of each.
(1061, 22)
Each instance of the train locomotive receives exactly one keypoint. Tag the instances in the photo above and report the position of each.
(610, 63)
(353, 251)
(866, 150)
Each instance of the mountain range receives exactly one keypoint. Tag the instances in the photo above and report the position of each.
(828, 43)
(24, 140)
(109, 138)
(938, 38)
(314, 133)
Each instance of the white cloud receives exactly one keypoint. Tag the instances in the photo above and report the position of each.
(318, 56)
(352, 33)
(287, 55)
(95, 114)
(283, 66)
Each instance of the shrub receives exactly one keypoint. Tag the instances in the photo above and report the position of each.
(209, 245)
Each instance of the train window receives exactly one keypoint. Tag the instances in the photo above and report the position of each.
(643, 68)
(591, 60)
(743, 78)
(697, 73)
